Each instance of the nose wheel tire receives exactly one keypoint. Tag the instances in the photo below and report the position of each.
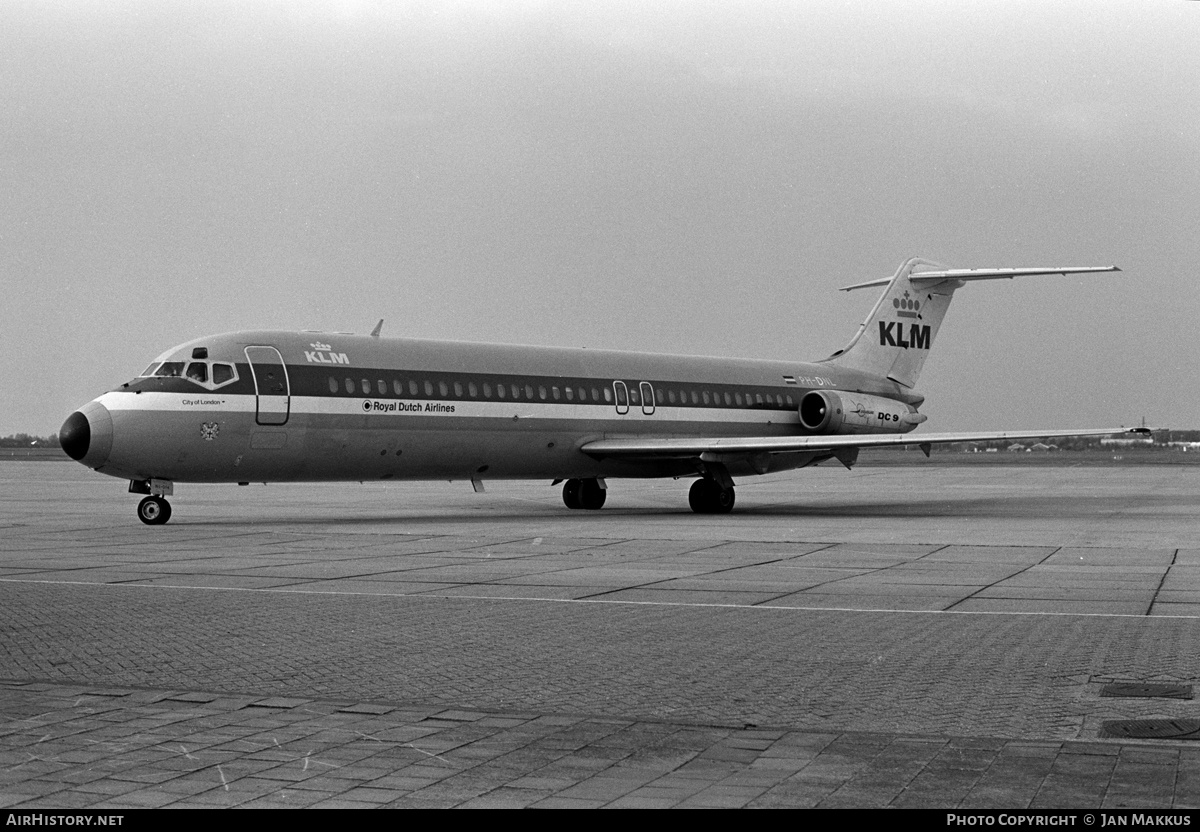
(708, 497)
(154, 511)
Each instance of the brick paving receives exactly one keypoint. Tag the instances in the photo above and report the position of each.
(69, 746)
(530, 657)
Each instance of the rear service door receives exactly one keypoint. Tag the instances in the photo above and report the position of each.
(621, 392)
(272, 393)
(647, 391)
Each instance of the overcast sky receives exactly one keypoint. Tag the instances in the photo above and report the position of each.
(682, 177)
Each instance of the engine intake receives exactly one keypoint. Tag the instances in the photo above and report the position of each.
(824, 411)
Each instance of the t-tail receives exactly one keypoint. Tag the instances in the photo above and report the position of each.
(897, 336)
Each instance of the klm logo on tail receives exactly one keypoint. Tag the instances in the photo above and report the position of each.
(891, 334)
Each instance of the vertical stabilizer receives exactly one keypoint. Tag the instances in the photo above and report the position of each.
(896, 338)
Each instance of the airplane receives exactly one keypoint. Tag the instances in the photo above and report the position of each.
(264, 406)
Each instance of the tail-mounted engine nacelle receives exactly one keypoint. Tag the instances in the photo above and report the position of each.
(823, 411)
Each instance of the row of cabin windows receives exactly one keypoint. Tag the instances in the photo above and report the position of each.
(569, 393)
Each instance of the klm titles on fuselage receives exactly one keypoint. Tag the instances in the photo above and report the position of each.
(324, 354)
(372, 406)
(918, 335)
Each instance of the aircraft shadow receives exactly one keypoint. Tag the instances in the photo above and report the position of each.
(1013, 508)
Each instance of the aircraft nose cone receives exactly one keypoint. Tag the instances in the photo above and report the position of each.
(87, 435)
(75, 435)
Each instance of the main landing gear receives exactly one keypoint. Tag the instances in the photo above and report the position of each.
(587, 494)
(154, 511)
(710, 497)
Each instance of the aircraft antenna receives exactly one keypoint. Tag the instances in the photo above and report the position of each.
(378, 329)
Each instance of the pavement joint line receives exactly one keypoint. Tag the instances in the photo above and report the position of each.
(596, 600)
(1162, 581)
(708, 574)
(998, 581)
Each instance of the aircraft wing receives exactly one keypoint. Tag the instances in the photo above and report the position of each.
(688, 448)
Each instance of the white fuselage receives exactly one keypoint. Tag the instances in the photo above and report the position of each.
(319, 406)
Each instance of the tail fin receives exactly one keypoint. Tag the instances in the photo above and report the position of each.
(896, 337)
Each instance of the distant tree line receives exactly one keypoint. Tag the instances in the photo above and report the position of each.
(28, 440)
(1077, 443)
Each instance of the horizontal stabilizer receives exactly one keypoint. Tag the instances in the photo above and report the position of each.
(983, 274)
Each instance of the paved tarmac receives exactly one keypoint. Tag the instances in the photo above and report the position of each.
(917, 636)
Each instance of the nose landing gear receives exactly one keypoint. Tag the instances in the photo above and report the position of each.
(154, 511)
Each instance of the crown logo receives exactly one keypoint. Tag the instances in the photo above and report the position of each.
(906, 307)
(319, 346)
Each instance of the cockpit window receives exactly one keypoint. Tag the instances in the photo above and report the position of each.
(222, 373)
(197, 371)
(208, 374)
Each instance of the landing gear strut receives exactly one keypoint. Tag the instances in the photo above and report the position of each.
(710, 497)
(584, 494)
(154, 511)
